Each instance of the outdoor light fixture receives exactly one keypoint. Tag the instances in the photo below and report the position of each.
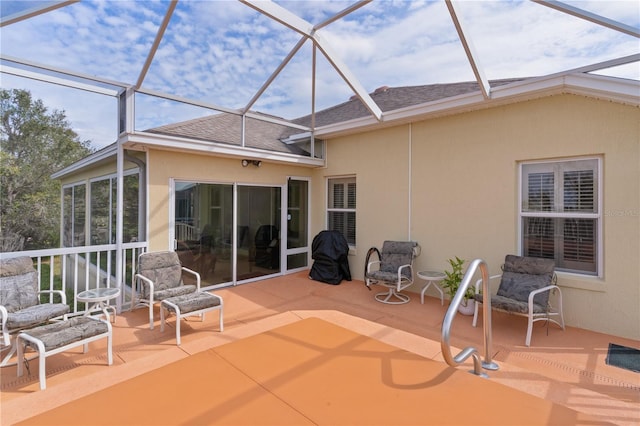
(256, 163)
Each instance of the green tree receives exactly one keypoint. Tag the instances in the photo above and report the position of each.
(34, 143)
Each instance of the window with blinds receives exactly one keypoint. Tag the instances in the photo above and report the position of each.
(341, 207)
(560, 214)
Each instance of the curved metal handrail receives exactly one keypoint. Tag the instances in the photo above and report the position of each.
(451, 313)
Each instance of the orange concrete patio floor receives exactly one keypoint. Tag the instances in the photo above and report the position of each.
(566, 368)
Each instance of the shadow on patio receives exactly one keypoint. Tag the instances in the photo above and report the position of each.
(565, 367)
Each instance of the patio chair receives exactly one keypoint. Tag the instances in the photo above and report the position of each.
(526, 284)
(160, 277)
(393, 269)
(20, 306)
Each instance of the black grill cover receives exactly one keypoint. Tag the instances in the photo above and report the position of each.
(330, 262)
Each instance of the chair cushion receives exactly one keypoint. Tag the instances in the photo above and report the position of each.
(522, 275)
(511, 305)
(35, 315)
(62, 333)
(18, 284)
(384, 276)
(395, 254)
(173, 292)
(193, 302)
(163, 268)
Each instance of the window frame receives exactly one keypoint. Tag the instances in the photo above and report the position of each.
(558, 213)
(329, 208)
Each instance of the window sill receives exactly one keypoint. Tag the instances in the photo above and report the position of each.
(581, 282)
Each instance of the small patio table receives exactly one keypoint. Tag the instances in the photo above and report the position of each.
(431, 277)
(99, 297)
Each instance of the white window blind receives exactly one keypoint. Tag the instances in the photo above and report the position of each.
(560, 214)
(341, 207)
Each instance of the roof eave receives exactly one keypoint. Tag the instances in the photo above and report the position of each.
(595, 86)
(142, 141)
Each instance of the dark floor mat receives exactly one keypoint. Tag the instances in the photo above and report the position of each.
(623, 357)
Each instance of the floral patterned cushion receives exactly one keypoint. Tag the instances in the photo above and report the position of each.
(18, 284)
(35, 315)
(522, 275)
(58, 334)
(163, 268)
(395, 254)
(193, 302)
(510, 305)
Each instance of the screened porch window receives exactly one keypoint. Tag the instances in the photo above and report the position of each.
(341, 208)
(103, 209)
(73, 210)
(560, 213)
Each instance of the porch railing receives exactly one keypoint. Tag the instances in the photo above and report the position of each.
(75, 269)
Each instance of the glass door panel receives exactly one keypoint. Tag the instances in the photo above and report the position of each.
(297, 224)
(258, 231)
(203, 225)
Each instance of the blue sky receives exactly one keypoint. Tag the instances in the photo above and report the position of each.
(221, 52)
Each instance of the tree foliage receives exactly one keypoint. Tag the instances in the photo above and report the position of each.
(34, 143)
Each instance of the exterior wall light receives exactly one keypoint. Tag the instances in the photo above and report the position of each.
(256, 163)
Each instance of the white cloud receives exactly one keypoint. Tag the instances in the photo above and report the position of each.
(222, 52)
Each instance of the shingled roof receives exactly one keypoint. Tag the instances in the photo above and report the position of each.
(225, 127)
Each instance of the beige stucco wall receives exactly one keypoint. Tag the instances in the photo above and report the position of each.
(166, 165)
(462, 172)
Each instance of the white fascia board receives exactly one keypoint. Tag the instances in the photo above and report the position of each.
(609, 88)
(141, 141)
(97, 157)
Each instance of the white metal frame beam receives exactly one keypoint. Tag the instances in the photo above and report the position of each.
(592, 17)
(35, 11)
(43, 76)
(156, 42)
(295, 23)
(470, 50)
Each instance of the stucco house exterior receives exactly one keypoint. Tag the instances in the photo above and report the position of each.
(547, 167)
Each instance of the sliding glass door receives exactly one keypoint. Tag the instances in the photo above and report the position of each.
(227, 241)
(203, 229)
(259, 231)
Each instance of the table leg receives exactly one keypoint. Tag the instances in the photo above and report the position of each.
(437, 287)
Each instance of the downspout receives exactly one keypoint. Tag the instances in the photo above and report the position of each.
(410, 180)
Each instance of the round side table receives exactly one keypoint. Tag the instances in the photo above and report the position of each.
(99, 297)
(431, 277)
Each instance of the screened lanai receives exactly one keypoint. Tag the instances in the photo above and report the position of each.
(120, 68)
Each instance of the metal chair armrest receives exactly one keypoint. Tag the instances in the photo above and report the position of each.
(542, 290)
(197, 275)
(61, 293)
(372, 263)
(149, 283)
(478, 284)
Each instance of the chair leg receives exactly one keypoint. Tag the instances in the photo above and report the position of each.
(151, 316)
(529, 329)
(178, 321)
